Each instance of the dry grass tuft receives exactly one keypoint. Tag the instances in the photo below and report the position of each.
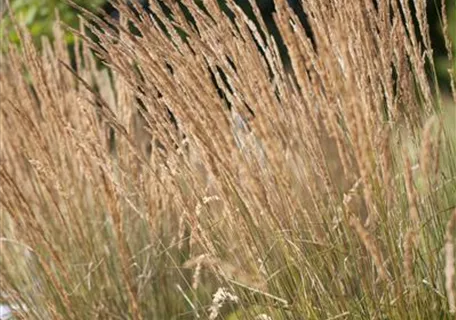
(172, 155)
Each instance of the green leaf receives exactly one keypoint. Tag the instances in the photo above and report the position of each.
(31, 15)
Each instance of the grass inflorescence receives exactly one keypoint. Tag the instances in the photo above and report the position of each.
(171, 165)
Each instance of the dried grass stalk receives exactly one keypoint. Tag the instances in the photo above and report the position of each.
(450, 262)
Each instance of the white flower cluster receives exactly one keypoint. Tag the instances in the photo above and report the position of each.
(220, 298)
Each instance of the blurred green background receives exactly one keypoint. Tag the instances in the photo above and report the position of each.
(38, 16)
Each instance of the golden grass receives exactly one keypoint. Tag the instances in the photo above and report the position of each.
(180, 157)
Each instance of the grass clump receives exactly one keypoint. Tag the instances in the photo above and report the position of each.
(195, 175)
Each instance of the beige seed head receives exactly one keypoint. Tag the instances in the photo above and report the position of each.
(411, 192)
(409, 247)
(371, 247)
